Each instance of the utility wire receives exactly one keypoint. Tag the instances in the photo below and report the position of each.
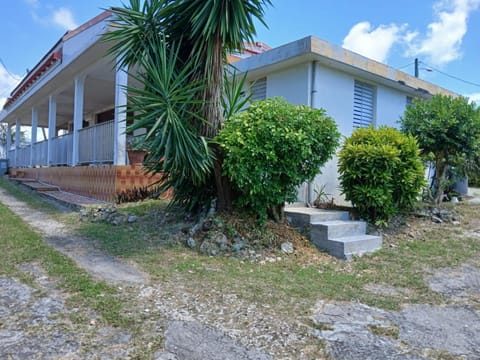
(404, 66)
(451, 76)
(13, 76)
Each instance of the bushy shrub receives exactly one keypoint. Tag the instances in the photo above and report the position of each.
(448, 132)
(381, 172)
(273, 147)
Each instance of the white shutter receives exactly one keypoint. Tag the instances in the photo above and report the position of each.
(363, 105)
(259, 89)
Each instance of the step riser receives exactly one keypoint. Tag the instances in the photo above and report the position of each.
(346, 249)
(300, 220)
(350, 228)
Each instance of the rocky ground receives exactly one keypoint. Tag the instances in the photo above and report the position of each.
(37, 321)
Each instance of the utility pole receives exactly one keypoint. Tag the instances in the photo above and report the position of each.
(416, 67)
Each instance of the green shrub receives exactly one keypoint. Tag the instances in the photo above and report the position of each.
(381, 172)
(273, 147)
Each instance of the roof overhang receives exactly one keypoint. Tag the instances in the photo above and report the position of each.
(311, 49)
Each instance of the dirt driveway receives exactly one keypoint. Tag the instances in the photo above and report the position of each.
(37, 321)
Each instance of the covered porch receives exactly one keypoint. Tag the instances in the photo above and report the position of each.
(69, 117)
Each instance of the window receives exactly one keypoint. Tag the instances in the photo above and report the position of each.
(259, 89)
(363, 105)
(410, 100)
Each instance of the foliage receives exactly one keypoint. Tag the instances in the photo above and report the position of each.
(448, 132)
(163, 105)
(381, 172)
(138, 194)
(3, 139)
(181, 47)
(273, 147)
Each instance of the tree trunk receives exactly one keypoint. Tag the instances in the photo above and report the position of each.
(441, 170)
(277, 212)
(222, 183)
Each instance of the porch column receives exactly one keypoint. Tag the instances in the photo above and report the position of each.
(34, 135)
(77, 115)
(120, 123)
(52, 124)
(17, 140)
(9, 143)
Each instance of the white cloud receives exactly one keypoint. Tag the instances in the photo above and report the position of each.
(7, 84)
(63, 17)
(475, 97)
(47, 15)
(374, 43)
(443, 40)
(440, 44)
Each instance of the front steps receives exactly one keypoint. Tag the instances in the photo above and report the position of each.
(333, 231)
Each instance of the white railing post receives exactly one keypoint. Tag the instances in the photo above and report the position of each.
(34, 136)
(77, 115)
(52, 124)
(9, 144)
(17, 140)
(120, 137)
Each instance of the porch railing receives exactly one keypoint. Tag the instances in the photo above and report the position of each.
(61, 153)
(40, 153)
(96, 143)
(11, 158)
(23, 157)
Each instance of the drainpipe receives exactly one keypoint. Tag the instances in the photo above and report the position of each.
(314, 104)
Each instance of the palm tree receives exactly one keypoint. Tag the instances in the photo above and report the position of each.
(194, 36)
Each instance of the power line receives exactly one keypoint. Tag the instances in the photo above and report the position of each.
(13, 76)
(451, 76)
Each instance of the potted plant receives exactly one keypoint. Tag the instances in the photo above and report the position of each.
(135, 149)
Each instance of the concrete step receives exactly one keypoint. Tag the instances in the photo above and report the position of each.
(348, 246)
(337, 229)
(301, 217)
(41, 187)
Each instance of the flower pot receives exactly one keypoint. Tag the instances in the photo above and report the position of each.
(136, 157)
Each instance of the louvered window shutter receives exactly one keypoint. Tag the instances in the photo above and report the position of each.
(363, 105)
(259, 89)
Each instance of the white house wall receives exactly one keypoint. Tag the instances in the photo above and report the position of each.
(391, 105)
(292, 84)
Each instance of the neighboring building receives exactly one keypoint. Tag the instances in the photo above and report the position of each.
(354, 90)
(73, 96)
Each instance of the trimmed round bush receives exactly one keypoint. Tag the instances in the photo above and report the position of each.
(381, 172)
(272, 148)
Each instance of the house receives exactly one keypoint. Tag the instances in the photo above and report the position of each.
(73, 102)
(354, 90)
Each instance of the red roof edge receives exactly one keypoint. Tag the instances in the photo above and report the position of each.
(53, 56)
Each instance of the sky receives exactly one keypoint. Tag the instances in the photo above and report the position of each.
(443, 34)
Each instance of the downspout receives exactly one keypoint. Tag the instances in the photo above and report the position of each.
(314, 104)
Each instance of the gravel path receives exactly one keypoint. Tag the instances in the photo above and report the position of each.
(61, 238)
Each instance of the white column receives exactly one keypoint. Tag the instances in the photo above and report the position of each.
(52, 125)
(17, 139)
(9, 142)
(77, 115)
(120, 137)
(34, 135)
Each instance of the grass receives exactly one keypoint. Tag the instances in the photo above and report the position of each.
(21, 245)
(293, 284)
(295, 281)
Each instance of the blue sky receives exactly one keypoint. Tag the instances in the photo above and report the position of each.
(443, 34)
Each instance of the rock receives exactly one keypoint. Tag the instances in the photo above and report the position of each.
(437, 220)
(191, 243)
(131, 218)
(287, 247)
(194, 341)
(220, 239)
(207, 225)
(238, 246)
